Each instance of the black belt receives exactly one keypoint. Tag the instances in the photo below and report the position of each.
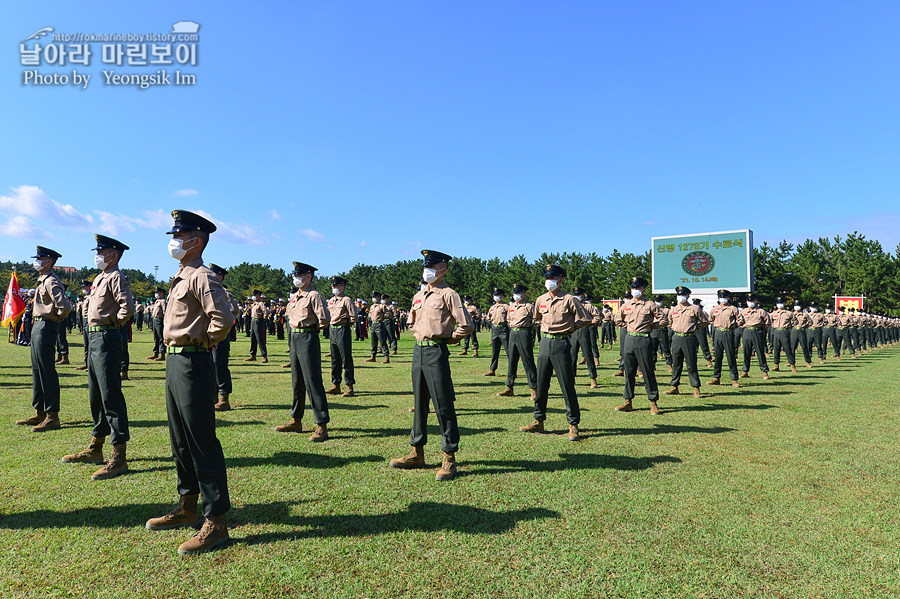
(185, 349)
(46, 319)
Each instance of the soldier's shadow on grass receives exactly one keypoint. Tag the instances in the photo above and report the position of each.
(404, 432)
(568, 461)
(220, 423)
(714, 407)
(301, 460)
(424, 516)
(657, 429)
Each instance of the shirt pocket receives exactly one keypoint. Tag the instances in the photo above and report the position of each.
(179, 305)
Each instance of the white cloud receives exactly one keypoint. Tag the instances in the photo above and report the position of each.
(186, 192)
(312, 235)
(273, 214)
(21, 226)
(362, 243)
(235, 233)
(31, 201)
(114, 224)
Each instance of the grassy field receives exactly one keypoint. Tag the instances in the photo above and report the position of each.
(783, 488)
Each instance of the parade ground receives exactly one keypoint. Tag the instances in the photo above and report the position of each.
(782, 488)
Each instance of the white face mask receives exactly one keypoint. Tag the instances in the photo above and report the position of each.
(298, 281)
(100, 261)
(796, 308)
(497, 298)
(682, 299)
(335, 291)
(659, 304)
(812, 309)
(517, 296)
(551, 284)
(38, 264)
(636, 293)
(429, 275)
(723, 300)
(751, 304)
(779, 306)
(383, 301)
(176, 248)
(423, 287)
(827, 310)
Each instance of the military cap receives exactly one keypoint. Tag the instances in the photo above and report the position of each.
(628, 296)
(682, 290)
(751, 297)
(697, 301)
(554, 270)
(779, 300)
(160, 290)
(376, 294)
(498, 291)
(842, 308)
(86, 283)
(723, 293)
(431, 257)
(256, 292)
(658, 298)
(301, 269)
(218, 270)
(104, 242)
(338, 280)
(813, 305)
(797, 303)
(519, 288)
(385, 296)
(294, 289)
(638, 282)
(280, 300)
(467, 298)
(587, 296)
(188, 221)
(43, 252)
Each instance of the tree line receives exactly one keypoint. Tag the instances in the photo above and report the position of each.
(812, 271)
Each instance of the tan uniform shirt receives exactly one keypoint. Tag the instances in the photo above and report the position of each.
(438, 313)
(342, 310)
(831, 320)
(498, 314)
(84, 306)
(377, 312)
(259, 310)
(140, 308)
(521, 315)
(687, 318)
(50, 299)
(235, 307)
(726, 317)
(639, 316)
(802, 320)
(111, 301)
(756, 318)
(560, 315)
(474, 312)
(307, 310)
(594, 311)
(158, 308)
(608, 316)
(198, 311)
(816, 320)
(782, 319)
(663, 316)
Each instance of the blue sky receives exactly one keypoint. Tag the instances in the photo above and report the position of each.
(341, 132)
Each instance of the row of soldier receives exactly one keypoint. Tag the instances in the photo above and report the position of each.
(199, 314)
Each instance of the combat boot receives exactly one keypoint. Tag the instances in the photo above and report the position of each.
(793, 368)
(654, 409)
(64, 360)
(291, 426)
(82, 367)
(508, 392)
(415, 459)
(372, 359)
(123, 375)
(821, 360)
(37, 418)
(714, 381)
(475, 354)
(464, 352)
(619, 373)
(386, 360)
(213, 533)
(669, 367)
(250, 359)
(264, 360)
(573, 433)
(92, 455)
(222, 405)
(50, 423)
(765, 376)
(697, 392)
(745, 375)
(334, 389)
(625, 407)
(593, 384)
(582, 360)
(776, 368)
(809, 364)
(288, 365)
(161, 358)
(394, 353)
(708, 364)
(673, 390)
(186, 514)
(348, 392)
(116, 465)
(536, 426)
(153, 357)
(490, 373)
(533, 393)
(320, 434)
(448, 467)
(735, 384)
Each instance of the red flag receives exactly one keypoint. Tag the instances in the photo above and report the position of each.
(14, 305)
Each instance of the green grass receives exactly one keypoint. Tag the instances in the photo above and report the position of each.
(783, 488)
